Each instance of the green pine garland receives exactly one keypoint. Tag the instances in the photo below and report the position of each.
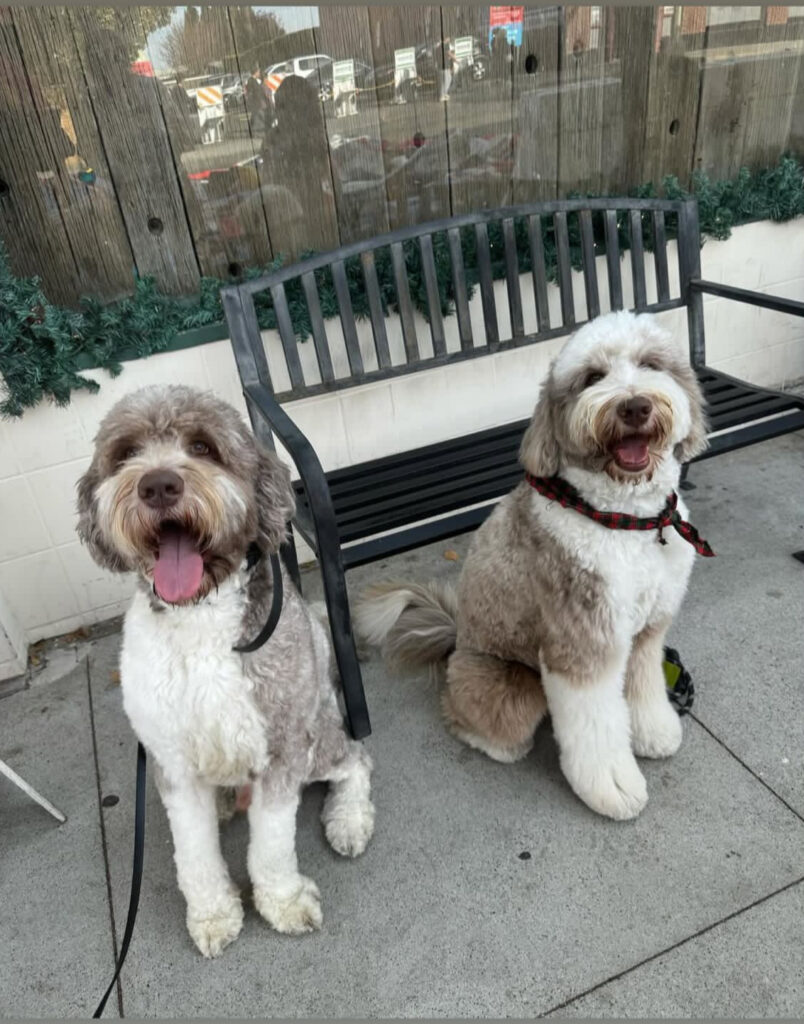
(43, 347)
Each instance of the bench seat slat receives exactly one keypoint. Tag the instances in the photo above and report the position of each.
(718, 387)
(451, 449)
(427, 506)
(363, 552)
(428, 473)
(743, 403)
(734, 417)
(719, 395)
(440, 493)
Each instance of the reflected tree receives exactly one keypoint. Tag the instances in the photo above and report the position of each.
(151, 19)
(193, 44)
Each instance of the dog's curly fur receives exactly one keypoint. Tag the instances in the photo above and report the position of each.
(267, 722)
(553, 611)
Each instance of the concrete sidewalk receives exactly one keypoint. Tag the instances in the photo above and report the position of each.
(489, 889)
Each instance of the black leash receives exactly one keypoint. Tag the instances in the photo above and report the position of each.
(273, 614)
(139, 801)
(136, 873)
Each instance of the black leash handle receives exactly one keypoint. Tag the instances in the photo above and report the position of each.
(136, 874)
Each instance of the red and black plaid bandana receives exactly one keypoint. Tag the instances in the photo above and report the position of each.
(556, 489)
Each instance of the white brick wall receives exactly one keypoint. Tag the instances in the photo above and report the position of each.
(49, 585)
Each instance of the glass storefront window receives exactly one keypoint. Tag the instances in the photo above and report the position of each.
(182, 142)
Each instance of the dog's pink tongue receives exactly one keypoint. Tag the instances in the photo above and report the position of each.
(631, 451)
(179, 566)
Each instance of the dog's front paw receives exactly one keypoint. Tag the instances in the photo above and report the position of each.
(655, 728)
(294, 907)
(213, 930)
(349, 826)
(615, 787)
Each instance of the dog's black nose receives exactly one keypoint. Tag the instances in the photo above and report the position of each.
(160, 488)
(635, 411)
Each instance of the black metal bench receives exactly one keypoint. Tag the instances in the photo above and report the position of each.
(356, 515)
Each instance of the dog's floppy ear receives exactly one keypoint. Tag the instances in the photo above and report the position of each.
(696, 440)
(539, 452)
(88, 527)
(275, 501)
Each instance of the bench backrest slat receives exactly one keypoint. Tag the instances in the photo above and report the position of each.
(512, 279)
(589, 265)
(433, 298)
(638, 260)
(287, 334)
(319, 330)
(613, 260)
(564, 269)
(404, 275)
(486, 285)
(539, 272)
(459, 287)
(405, 305)
(660, 256)
(347, 318)
(375, 310)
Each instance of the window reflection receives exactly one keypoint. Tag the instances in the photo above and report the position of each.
(247, 133)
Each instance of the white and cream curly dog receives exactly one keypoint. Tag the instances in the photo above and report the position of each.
(179, 493)
(554, 611)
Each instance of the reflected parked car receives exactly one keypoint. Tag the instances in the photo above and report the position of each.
(233, 89)
(301, 66)
(364, 79)
(430, 63)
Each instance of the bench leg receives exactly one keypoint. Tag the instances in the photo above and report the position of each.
(684, 483)
(340, 623)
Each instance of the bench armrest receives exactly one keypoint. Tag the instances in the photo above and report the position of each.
(727, 291)
(303, 454)
(328, 550)
(261, 399)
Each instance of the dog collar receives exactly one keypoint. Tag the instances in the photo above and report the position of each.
(253, 555)
(554, 488)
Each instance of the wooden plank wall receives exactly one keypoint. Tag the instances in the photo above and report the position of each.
(104, 174)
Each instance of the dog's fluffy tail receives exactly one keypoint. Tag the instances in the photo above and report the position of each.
(413, 624)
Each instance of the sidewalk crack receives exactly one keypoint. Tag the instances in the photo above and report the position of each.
(747, 767)
(669, 949)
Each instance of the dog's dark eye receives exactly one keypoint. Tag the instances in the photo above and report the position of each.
(200, 448)
(649, 364)
(593, 378)
(129, 453)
